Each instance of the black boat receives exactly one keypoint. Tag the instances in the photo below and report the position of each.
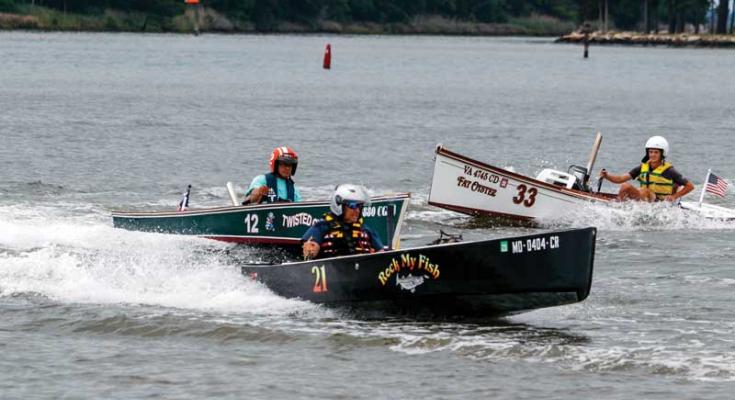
(481, 278)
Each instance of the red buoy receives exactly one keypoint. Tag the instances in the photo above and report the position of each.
(328, 57)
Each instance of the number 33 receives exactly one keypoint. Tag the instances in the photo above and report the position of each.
(521, 198)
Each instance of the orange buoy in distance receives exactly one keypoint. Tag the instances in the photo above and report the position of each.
(328, 57)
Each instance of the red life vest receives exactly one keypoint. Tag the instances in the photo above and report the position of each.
(341, 240)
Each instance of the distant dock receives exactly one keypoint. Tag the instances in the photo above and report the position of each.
(652, 39)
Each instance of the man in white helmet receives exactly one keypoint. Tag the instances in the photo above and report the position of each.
(342, 230)
(658, 179)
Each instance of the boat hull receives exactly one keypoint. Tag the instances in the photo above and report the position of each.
(267, 224)
(482, 278)
(471, 187)
(709, 211)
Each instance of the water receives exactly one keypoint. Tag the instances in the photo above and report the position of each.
(96, 122)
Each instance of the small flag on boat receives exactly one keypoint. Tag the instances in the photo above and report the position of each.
(184, 203)
(716, 185)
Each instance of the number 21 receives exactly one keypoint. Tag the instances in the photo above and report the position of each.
(320, 282)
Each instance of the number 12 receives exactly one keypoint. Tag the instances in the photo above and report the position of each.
(251, 223)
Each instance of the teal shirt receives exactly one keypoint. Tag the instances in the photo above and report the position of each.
(259, 181)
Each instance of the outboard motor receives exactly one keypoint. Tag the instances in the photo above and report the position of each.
(576, 177)
(581, 177)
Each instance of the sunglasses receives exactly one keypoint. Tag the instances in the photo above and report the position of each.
(352, 204)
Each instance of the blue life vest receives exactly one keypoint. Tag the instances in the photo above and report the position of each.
(271, 180)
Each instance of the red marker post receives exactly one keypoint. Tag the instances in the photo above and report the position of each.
(328, 57)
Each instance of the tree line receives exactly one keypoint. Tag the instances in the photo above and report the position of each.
(650, 15)
(266, 15)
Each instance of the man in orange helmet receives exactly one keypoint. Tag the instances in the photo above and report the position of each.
(277, 185)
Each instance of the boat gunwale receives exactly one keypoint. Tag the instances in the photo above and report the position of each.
(432, 246)
(235, 209)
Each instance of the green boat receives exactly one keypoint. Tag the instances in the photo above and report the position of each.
(265, 224)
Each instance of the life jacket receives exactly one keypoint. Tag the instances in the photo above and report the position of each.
(342, 240)
(271, 180)
(655, 181)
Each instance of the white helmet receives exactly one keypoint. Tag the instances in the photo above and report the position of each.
(658, 142)
(348, 193)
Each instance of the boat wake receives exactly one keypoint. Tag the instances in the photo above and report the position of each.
(635, 216)
(420, 212)
(178, 285)
(568, 338)
(71, 259)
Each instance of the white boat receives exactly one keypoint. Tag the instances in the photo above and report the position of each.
(710, 211)
(472, 187)
(475, 188)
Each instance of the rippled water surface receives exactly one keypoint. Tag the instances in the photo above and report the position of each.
(95, 122)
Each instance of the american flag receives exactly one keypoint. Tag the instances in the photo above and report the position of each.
(184, 203)
(716, 185)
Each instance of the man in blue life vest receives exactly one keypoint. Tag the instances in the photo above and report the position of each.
(277, 185)
(659, 181)
(342, 231)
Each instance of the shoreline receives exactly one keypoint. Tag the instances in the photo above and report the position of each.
(210, 21)
(652, 39)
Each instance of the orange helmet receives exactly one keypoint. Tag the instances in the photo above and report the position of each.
(285, 155)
